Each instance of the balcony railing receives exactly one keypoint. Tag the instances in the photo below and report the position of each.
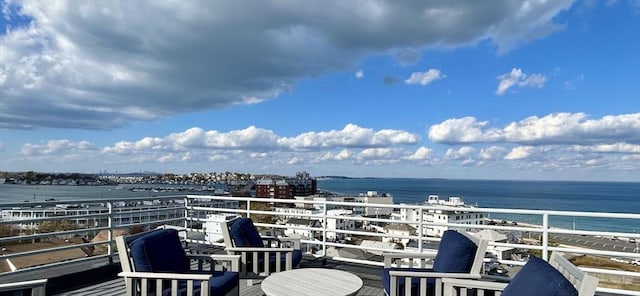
(31, 233)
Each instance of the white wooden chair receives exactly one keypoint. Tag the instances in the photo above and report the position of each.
(259, 255)
(459, 255)
(535, 278)
(155, 262)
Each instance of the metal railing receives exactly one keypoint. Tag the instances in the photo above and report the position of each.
(109, 218)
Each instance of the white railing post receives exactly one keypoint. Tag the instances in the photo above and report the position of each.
(421, 230)
(110, 237)
(186, 212)
(324, 228)
(545, 236)
(248, 209)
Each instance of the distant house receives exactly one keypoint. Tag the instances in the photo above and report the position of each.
(398, 233)
(295, 225)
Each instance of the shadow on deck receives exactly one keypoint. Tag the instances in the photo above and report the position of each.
(103, 281)
(115, 286)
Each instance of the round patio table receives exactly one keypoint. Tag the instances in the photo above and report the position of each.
(311, 282)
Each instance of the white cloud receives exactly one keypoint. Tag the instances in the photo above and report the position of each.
(517, 78)
(424, 78)
(492, 153)
(609, 148)
(359, 74)
(556, 128)
(253, 138)
(351, 136)
(521, 152)
(57, 147)
(462, 130)
(64, 68)
(422, 153)
(460, 153)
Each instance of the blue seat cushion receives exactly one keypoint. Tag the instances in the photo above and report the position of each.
(538, 277)
(415, 282)
(221, 283)
(455, 253)
(245, 234)
(159, 251)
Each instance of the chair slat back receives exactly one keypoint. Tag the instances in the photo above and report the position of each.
(482, 249)
(226, 235)
(584, 283)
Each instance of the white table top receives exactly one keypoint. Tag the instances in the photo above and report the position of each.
(311, 282)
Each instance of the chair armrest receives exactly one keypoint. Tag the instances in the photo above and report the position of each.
(390, 258)
(290, 242)
(233, 259)
(282, 241)
(428, 274)
(451, 283)
(267, 240)
(165, 276)
(258, 249)
(232, 262)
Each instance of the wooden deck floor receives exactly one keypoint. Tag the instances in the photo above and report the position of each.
(369, 275)
(116, 288)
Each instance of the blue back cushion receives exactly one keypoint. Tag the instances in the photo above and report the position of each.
(455, 253)
(245, 234)
(538, 277)
(159, 251)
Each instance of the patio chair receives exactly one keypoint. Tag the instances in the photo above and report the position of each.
(259, 255)
(538, 277)
(459, 255)
(155, 263)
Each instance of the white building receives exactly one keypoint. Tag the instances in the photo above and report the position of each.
(339, 224)
(333, 220)
(398, 233)
(371, 197)
(297, 226)
(438, 211)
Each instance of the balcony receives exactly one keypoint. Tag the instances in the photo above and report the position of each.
(78, 239)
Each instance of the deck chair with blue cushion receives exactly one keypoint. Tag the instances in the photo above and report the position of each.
(259, 255)
(155, 263)
(558, 277)
(459, 255)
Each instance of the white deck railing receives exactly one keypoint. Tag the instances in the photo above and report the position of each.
(194, 209)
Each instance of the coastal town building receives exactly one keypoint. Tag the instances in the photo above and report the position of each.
(398, 233)
(124, 213)
(369, 198)
(286, 188)
(301, 227)
(334, 221)
(436, 212)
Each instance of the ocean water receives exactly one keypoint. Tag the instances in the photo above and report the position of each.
(614, 197)
(535, 195)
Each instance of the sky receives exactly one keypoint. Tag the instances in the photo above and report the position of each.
(512, 89)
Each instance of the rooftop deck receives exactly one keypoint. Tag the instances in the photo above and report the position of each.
(95, 274)
(370, 277)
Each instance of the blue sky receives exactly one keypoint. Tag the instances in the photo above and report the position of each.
(544, 90)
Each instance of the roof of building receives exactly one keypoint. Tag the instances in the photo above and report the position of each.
(298, 221)
(490, 235)
(400, 227)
